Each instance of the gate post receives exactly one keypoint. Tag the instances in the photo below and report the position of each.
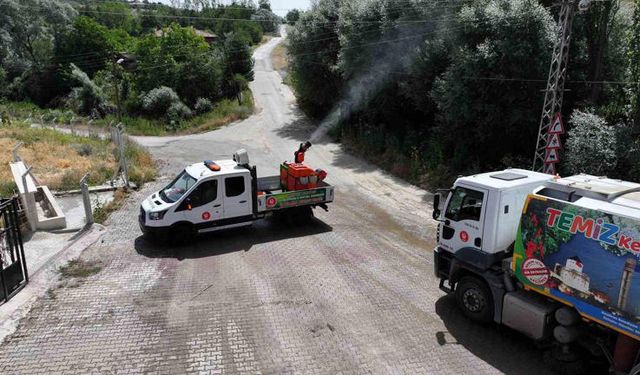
(86, 201)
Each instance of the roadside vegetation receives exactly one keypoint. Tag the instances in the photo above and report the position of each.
(430, 91)
(280, 61)
(78, 268)
(101, 211)
(60, 160)
(162, 69)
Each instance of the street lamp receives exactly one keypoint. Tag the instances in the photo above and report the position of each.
(127, 63)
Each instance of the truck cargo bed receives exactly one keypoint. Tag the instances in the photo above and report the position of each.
(271, 197)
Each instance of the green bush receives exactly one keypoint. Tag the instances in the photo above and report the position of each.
(157, 102)
(178, 111)
(88, 98)
(203, 105)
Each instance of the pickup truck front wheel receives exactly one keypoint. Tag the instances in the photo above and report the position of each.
(473, 297)
(182, 233)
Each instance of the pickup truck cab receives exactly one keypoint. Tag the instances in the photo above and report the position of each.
(210, 195)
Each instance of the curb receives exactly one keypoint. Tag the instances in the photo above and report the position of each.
(41, 280)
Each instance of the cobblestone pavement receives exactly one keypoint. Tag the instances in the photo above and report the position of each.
(352, 293)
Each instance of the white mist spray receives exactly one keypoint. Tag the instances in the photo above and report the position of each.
(396, 52)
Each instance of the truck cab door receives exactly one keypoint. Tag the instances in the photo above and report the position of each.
(237, 196)
(463, 219)
(204, 204)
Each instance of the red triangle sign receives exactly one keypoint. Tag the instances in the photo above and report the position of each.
(552, 156)
(549, 169)
(557, 127)
(553, 142)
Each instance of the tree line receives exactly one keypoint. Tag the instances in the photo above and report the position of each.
(432, 89)
(157, 61)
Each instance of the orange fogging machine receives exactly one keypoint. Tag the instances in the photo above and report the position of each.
(298, 176)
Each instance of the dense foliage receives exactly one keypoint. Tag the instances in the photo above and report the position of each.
(431, 91)
(591, 148)
(93, 56)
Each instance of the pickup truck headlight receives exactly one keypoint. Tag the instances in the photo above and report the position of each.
(157, 215)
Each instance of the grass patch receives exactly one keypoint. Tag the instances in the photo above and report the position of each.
(51, 293)
(101, 211)
(279, 58)
(224, 112)
(79, 269)
(60, 160)
(23, 112)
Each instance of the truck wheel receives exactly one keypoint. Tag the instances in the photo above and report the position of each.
(298, 216)
(182, 234)
(473, 297)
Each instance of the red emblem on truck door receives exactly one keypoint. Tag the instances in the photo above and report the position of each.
(206, 216)
(271, 201)
(464, 236)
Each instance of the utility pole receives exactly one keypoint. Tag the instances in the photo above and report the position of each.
(555, 85)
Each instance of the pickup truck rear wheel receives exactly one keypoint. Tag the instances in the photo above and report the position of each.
(473, 297)
(297, 216)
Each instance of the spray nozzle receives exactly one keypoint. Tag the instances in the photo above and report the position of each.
(299, 155)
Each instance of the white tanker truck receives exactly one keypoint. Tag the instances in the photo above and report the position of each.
(553, 258)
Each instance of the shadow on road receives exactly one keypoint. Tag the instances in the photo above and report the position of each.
(502, 348)
(299, 129)
(229, 241)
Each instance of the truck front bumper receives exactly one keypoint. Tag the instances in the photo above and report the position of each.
(147, 230)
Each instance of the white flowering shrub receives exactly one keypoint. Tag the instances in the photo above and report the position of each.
(178, 111)
(158, 101)
(203, 105)
(591, 145)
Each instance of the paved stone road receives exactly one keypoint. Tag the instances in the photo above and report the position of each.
(352, 293)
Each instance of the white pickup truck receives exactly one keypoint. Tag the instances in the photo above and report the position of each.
(208, 196)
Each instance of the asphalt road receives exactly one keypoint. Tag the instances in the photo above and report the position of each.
(352, 293)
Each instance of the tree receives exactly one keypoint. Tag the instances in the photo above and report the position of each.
(27, 30)
(238, 57)
(292, 16)
(89, 45)
(264, 4)
(314, 47)
(89, 97)
(600, 22)
(114, 15)
(267, 20)
(236, 19)
(591, 146)
(181, 60)
(484, 116)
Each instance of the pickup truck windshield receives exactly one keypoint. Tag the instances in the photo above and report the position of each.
(177, 188)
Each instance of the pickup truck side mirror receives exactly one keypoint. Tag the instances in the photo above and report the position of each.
(436, 206)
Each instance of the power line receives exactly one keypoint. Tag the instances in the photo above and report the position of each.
(544, 81)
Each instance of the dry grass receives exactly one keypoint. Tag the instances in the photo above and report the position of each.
(60, 160)
(279, 58)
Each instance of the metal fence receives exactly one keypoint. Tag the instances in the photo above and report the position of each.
(13, 265)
